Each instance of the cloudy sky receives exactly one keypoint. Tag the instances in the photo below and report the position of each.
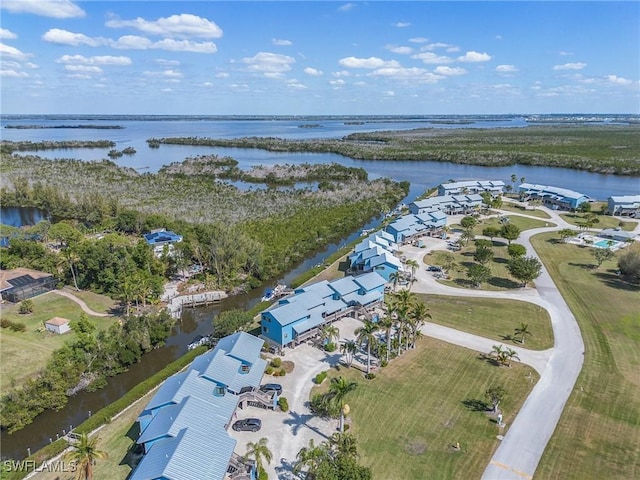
(319, 57)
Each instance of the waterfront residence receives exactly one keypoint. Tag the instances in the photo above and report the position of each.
(553, 197)
(449, 204)
(494, 187)
(183, 428)
(617, 234)
(160, 237)
(376, 253)
(21, 283)
(624, 206)
(299, 317)
(412, 226)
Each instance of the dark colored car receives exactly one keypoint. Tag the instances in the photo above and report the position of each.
(271, 387)
(247, 425)
(434, 268)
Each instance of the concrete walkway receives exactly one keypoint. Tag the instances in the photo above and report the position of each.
(519, 453)
(83, 305)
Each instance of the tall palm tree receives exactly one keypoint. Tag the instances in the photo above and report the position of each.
(387, 323)
(522, 331)
(349, 348)
(413, 265)
(84, 454)
(330, 333)
(418, 314)
(366, 334)
(508, 355)
(338, 391)
(394, 278)
(259, 451)
(310, 458)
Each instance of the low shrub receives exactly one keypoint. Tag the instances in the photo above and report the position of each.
(319, 378)
(26, 306)
(330, 347)
(282, 372)
(4, 323)
(384, 363)
(18, 327)
(370, 376)
(276, 362)
(283, 404)
(268, 370)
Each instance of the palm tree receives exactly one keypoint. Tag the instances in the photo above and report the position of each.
(394, 278)
(417, 314)
(338, 391)
(366, 334)
(310, 458)
(522, 331)
(126, 292)
(348, 348)
(387, 323)
(329, 333)
(514, 179)
(497, 351)
(84, 454)
(413, 265)
(509, 355)
(259, 451)
(344, 445)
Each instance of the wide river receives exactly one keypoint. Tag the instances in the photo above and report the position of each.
(421, 175)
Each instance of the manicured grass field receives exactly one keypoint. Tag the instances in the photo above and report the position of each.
(491, 318)
(534, 213)
(599, 432)
(97, 303)
(522, 223)
(604, 221)
(24, 353)
(408, 418)
(500, 280)
(116, 438)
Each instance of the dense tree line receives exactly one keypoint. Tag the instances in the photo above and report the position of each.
(83, 363)
(7, 146)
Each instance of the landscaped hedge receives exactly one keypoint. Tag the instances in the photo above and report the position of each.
(105, 415)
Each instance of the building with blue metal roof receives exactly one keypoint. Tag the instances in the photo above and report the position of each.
(298, 317)
(554, 197)
(462, 204)
(494, 187)
(183, 428)
(624, 205)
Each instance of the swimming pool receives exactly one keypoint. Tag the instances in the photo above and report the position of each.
(604, 243)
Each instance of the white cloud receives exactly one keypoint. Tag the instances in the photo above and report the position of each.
(167, 63)
(44, 8)
(167, 90)
(12, 52)
(274, 75)
(207, 84)
(401, 73)
(314, 72)
(498, 37)
(431, 58)
(269, 62)
(390, 93)
(88, 69)
(570, 66)
(618, 80)
(399, 50)
(97, 60)
(185, 46)
(7, 34)
(295, 84)
(337, 82)
(341, 73)
(450, 71)
(132, 42)
(474, 57)
(13, 74)
(31, 65)
(165, 73)
(81, 76)
(371, 62)
(346, 7)
(65, 37)
(401, 24)
(360, 84)
(436, 45)
(418, 40)
(182, 26)
(281, 42)
(564, 54)
(222, 75)
(507, 69)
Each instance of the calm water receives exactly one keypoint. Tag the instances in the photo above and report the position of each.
(422, 175)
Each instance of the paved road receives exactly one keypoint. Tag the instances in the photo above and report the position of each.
(519, 453)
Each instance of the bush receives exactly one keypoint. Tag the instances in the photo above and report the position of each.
(4, 323)
(18, 327)
(283, 404)
(319, 378)
(282, 372)
(370, 376)
(384, 363)
(330, 347)
(269, 370)
(26, 306)
(276, 362)
(263, 475)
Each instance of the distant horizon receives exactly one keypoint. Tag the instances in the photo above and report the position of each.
(329, 115)
(169, 57)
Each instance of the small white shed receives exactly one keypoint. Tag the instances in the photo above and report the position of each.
(58, 325)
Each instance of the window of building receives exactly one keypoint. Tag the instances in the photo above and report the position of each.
(245, 368)
(219, 391)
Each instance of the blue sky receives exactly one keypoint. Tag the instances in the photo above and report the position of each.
(319, 57)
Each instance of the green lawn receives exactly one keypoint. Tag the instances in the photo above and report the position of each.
(408, 418)
(492, 318)
(96, 302)
(534, 213)
(116, 438)
(599, 432)
(500, 280)
(24, 353)
(522, 223)
(604, 221)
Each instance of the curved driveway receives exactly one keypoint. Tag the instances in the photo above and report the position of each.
(519, 453)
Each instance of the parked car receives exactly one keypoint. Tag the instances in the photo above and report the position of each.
(247, 425)
(271, 387)
(434, 268)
